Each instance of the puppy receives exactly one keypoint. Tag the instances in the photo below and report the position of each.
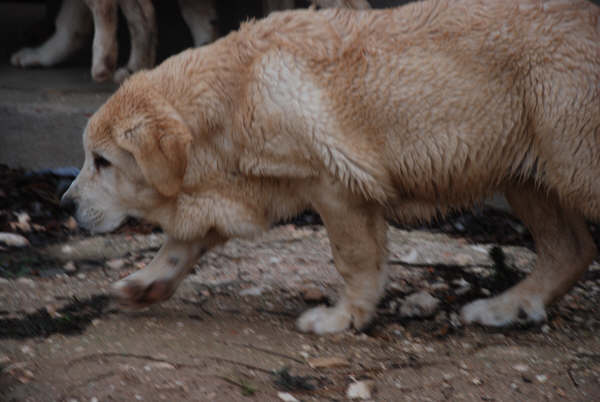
(74, 24)
(361, 115)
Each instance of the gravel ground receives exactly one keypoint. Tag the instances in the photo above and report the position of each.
(228, 333)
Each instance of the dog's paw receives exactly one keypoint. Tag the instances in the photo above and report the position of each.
(325, 320)
(504, 310)
(26, 57)
(135, 294)
(121, 75)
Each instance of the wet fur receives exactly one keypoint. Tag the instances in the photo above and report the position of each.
(405, 112)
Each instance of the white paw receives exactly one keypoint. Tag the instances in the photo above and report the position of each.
(325, 320)
(504, 310)
(121, 75)
(26, 57)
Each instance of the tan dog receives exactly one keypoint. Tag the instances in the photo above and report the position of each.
(361, 115)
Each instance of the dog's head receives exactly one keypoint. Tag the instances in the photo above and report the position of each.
(136, 147)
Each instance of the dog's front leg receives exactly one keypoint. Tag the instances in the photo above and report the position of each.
(358, 235)
(159, 280)
(73, 25)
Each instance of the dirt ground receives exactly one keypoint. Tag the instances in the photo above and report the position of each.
(228, 333)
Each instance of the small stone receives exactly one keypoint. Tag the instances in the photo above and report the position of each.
(94, 399)
(70, 224)
(312, 294)
(420, 304)
(70, 267)
(81, 276)
(410, 258)
(441, 286)
(286, 397)
(116, 263)
(13, 240)
(477, 381)
(159, 366)
(27, 350)
(542, 378)
(545, 328)
(79, 349)
(521, 368)
(327, 362)
(139, 397)
(463, 259)
(27, 281)
(253, 291)
(67, 249)
(360, 390)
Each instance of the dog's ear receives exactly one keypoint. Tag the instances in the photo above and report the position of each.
(160, 148)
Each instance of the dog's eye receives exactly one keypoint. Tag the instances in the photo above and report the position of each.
(100, 162)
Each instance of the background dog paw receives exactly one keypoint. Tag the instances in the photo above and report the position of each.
(26, 57)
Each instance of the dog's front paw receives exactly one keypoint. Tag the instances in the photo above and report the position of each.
(26, 57)
(134, 293)
(504, 310)
(325, 320)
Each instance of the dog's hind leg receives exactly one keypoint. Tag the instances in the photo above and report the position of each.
(564, 247)
(358, 234)
(141, 22)
(73, 26)
(159, 280)
(200, 17)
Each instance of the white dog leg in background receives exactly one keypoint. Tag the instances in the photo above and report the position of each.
(358, 236)
(159, 280)
(105, 46)
(141, 22)
(73, 26)
(565, 250)
(200, 17)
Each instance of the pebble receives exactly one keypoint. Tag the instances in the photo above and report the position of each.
(71, 223)
(27, 281)
(312, 294)
(284, 396)
(477, 381)
(542, 378)
(253, 291)
(327, 362)
(420, 304)
(410, 258)
(13, 240)
(81, 276)
(360, 390)
(94, 399)
(70, 267)
(521, 368)
(116, 263)
(27, 350)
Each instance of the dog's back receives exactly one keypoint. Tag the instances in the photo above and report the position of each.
(441, 101)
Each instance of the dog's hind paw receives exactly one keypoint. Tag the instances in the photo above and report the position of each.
(324, 320)
(504, 310)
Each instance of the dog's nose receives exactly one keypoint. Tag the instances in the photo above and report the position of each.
(68, 204)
